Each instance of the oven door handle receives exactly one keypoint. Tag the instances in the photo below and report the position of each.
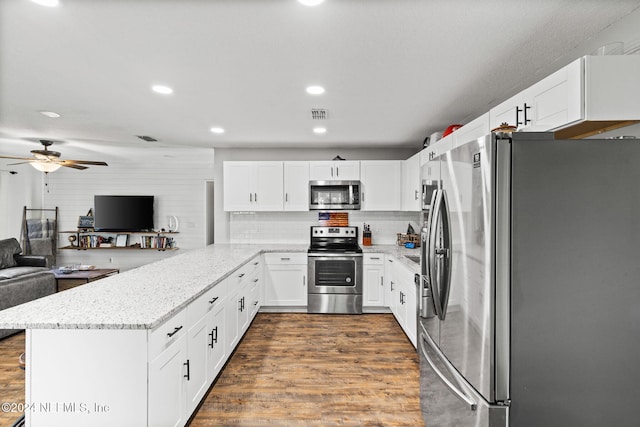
(321, 255)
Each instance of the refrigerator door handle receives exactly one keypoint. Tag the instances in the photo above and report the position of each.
(426, 340)
(447, 254)
(434, 217)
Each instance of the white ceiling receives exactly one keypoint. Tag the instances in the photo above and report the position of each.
(394, 70)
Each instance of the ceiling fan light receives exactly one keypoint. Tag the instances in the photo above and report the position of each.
(310, 2)
(51, 114)
(47, 3)
(45, 166)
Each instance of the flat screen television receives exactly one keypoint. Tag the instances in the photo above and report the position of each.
(123, 213)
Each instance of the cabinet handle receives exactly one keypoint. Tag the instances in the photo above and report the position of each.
(375, 257)
(255, 303)
(337, 171)
(392, 286)
(188, 376)
(285, 259)
(362, 194)
(390, 260)
(175, 331)
(213, 300)
(286, 197)
(381, 280)
(240, 276)
(304, 280)
(526, 120)
(256, 263)
(255, 197)
(250, 197)
(518, 111)
(331, 171)
(255, 280)
(214, 339)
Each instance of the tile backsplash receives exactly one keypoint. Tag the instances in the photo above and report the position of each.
(293, 227)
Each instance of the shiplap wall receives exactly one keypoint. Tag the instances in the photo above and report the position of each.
(16, 192)
(176, 182)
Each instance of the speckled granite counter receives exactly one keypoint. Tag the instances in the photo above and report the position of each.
(144, 297)
(141, 298)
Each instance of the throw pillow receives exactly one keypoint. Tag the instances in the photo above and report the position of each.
(9, 248)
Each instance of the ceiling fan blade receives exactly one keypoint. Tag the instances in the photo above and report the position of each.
(72, 166)
(82, 162)
(19, 163)
(17, 158)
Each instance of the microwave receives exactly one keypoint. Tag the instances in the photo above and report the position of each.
(334, 195)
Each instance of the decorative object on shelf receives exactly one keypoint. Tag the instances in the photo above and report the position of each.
(72, 240)
(413, 240)
(450, 129)
(337, 158)
(48, 161)
(504, 127)
(85, 222)
(173, 224)
(122, 240)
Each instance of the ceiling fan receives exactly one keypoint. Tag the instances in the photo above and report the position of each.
(49, 161)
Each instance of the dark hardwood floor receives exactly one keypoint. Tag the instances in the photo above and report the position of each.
(11, 377)
(317, 370)
(294, 370)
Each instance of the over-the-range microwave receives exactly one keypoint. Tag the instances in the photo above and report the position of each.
(334, 195)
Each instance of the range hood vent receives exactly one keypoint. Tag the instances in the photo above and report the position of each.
(319, 114)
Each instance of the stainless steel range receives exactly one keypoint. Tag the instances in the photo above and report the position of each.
(335, 271)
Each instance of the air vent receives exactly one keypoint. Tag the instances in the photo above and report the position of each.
(146, 138)
(319, 114)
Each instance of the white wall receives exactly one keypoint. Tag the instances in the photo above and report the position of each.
(16, 192)
(223, 227)
(176, 180)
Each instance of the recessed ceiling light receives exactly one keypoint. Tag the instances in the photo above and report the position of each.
(315, 90)
(310, 2)
(217, 130)
(319, 130)
(164, 90)
(47, 3)
(50, 114)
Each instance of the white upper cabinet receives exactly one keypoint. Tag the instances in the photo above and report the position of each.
(338, 170)
(380, 185)
(475, 129)
(253, 186)
(296, 186)
(590, 89)
(411, 184)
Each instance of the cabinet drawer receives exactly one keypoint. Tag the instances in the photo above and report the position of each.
(373, 259)
(206, 302)
(161, 337)
(285, 258)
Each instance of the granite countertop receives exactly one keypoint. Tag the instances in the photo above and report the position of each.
(146, 296)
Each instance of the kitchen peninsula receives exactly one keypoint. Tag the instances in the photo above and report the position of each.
(142, 347)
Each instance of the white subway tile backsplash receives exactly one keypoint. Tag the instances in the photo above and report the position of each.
(293, 227)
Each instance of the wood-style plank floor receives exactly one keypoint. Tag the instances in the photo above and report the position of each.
(292, 370)
(11, 377)
(317, 370)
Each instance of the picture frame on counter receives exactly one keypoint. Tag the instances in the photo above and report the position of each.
(122, 240)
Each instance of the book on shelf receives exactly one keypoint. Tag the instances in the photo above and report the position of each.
(156, 242)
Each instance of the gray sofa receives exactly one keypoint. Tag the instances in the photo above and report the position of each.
(23, 278)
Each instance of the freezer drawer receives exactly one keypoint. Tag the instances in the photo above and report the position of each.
(446, 399)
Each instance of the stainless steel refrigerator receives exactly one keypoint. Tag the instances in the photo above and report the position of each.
(530, 308)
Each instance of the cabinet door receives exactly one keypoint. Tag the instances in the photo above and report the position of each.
(507, 113)
(411, 184)
(475, 129)
(216, 342)
(373, 285)
(198, 355)
(268, 184)
(321, 171)
(347, 170)
(296, 186)
(232, 328)
(411, 306)
(286, 285)
(381, 185)
(557, 99)
(167, 399)
(389, 282)
(238, 188)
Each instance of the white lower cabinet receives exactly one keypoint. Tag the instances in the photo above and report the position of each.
(167, 401)
(373, 280)
(285, 279)
(402, 297)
